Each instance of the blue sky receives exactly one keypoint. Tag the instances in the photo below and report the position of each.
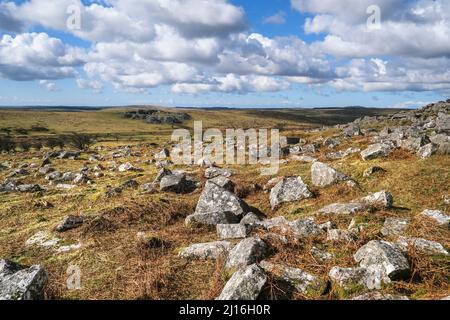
(238, 53)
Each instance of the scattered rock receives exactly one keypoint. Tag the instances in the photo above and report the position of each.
(213, 172)
(377, 150)
(422, 245)
(211, 218)
(394, 226)
(384, 258)
(250, 218)
(211, 250)
(337, 235)
(379, 296)
(223, 182)
(176, 183)
(427, 151)
(372, 170)
(342, 208)
(323, 175)
(321, 255)
(289, 190)
(438, 216)
(245, 284)
(29, 188)
(70, 222)
(231, 231)
(128, 167)
(304, 228)
(246, 252)
(349, 278)
(19, 282)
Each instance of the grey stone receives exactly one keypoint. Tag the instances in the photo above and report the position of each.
(213, 172)
(289, 190)
(305, 228)
(382, 199)
(128, 167)
(348, 278)
(321, 255)
(176, 183)
(223, 182)
(211, 218)
(250, 218)
(394, 226)
(323, 175)
(231, 231)
(384, 257)
(438, 216)
(216, 199)
(427, 151)
(342, 208)
(21, 283)
(210, 250)
(245, 284)
(302, 158)
(246, 252)
(161, 174)
(29, 188)
(372, 170)
(377, 150)
(413, 144)
(338, 235)
(331, 142)
(70, 222)
(297, 279)
(422, 245)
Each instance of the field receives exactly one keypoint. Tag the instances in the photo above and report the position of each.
(116, 264)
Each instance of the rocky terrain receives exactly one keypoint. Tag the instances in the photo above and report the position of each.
(358, 211)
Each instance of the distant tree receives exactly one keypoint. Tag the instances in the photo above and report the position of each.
(37, 145)
(80, 141)
(7, 144)
(52, 143)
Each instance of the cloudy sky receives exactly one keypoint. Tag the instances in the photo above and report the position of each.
(240, 53)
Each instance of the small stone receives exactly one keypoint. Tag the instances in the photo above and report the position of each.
(223, 182)
(323, 175)
(321, 255)
(372, 170)
(231, 231)
(250, 218)
(382, 199)
(214, 172)
(305, 228)
(394, 226)
(70, 222)
(342, 208)
(422, 245)
(337, 235)
(348, 278)
(211, 250)
(377, 150)
(427, 151)
(438, 216)
(245, 284)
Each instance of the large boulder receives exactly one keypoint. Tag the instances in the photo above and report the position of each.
(377, 150)
(246, 252)
(245, 284)
(323, 175)
(21, 283)
(288, 190)
(384, 258)
(217, 200)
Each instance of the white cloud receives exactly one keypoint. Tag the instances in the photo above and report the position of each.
(49, 86)
(277, 18)
(94, 85)
(31, 56)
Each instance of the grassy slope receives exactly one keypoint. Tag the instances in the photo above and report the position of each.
(114, 266)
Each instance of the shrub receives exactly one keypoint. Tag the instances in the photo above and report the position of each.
(79, 141)
(37, 145)
(7, 144)
(25, 145)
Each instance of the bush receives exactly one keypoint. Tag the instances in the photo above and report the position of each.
(80, 141)
(52, 143)
(25, 145)
(37, 145)
(7, 144)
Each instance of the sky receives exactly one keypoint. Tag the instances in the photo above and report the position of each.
(225, 53)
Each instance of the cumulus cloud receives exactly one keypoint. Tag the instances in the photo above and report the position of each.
(32, 56)
(49, 86)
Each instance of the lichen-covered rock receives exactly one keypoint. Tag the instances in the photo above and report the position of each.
(338, 235)
(21, 283)
(422, 245)
(438, 216)
(304, 228)
(349, 278)
(231, 231)
(216, 199)
(342, 208)
(245, 284)
(246, 252)
(289, 190)
(297, 279)
(377, 150)
(177, 183)
(70, 222)
(383, 257)
(427, 151)
(321, 255)
(223, 182)
(250, 218)
(413, 143)
(128, 167)
(394, 226)
(211, 218)
(382, 199)
(29, 188)
(210, 250)
(323, 175)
